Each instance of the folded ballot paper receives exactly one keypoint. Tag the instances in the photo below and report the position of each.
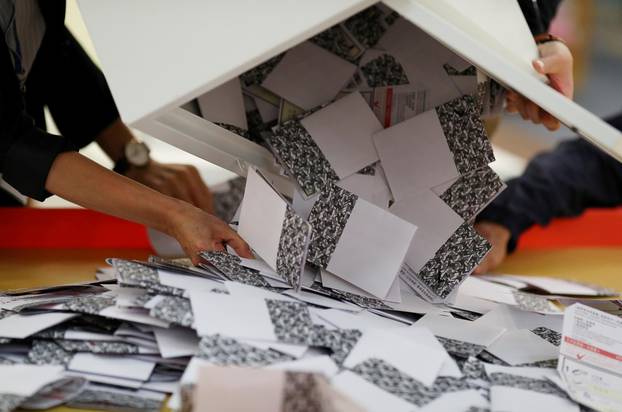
(359, 296)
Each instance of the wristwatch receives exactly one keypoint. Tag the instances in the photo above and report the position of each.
(135, 154)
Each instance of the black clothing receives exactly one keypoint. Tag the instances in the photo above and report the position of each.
(547, 8)
(66, 80)
(564, 182)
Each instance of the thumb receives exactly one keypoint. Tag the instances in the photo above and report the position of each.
(551, 64)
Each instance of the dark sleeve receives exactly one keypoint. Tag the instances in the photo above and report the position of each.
(561, 183)
(73, 88)
(548, 9)
(26, 152)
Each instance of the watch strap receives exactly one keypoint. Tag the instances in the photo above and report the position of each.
(122, 166)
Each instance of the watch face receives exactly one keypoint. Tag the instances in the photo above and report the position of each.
(137, 154)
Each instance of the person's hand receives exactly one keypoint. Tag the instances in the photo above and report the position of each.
(196, 231)
(182, 182)
(499, 237)
(555, 62)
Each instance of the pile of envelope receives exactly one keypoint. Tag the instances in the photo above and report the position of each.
(378, 132)
(359, 297)
(233, 332)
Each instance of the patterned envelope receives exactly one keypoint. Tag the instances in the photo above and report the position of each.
(358, 241)
(471, 193)
(273, 229)
(434, 147)
(330, 144)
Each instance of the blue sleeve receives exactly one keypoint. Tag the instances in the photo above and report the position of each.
(562, 183)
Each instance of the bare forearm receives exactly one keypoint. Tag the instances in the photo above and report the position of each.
(82, 181)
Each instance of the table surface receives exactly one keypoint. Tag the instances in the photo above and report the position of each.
(26, 268)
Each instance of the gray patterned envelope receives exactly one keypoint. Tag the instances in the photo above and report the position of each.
(451, 264)
(384, 70)
(231, 267)
(328, 217)
(224, 351)
(465, 134)
(396, 382)
(301, 157)
(470, 193)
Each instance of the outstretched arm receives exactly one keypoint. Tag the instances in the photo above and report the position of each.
(78, 179)
(561, 183)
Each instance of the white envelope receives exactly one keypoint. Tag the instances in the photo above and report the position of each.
(415, 155)
(21, 326)
(343, 131)
(511, 318)
(435, 222)
(224, 104)
(309, 76)
(216, 313)
(175, 342)
(521, 346)
(332, 281)
(25, 380)
(459, 329)
(371, 248)
(373, 188)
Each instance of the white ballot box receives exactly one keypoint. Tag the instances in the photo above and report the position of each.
(158, 55)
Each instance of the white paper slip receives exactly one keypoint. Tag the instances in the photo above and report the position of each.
(343, 131)
(272, 228)
(376, 238)
(316, 364)
(20, 326)
(521, 346)
(309, 76)
(509, 317)
(368, 395)
(25, 380)
(115, 366)
(224, 104)
(217, 313)
(590, 361)
(175, 342)
(472, 304)
(421, 362)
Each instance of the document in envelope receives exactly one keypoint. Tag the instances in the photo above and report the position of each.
(590, 361)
